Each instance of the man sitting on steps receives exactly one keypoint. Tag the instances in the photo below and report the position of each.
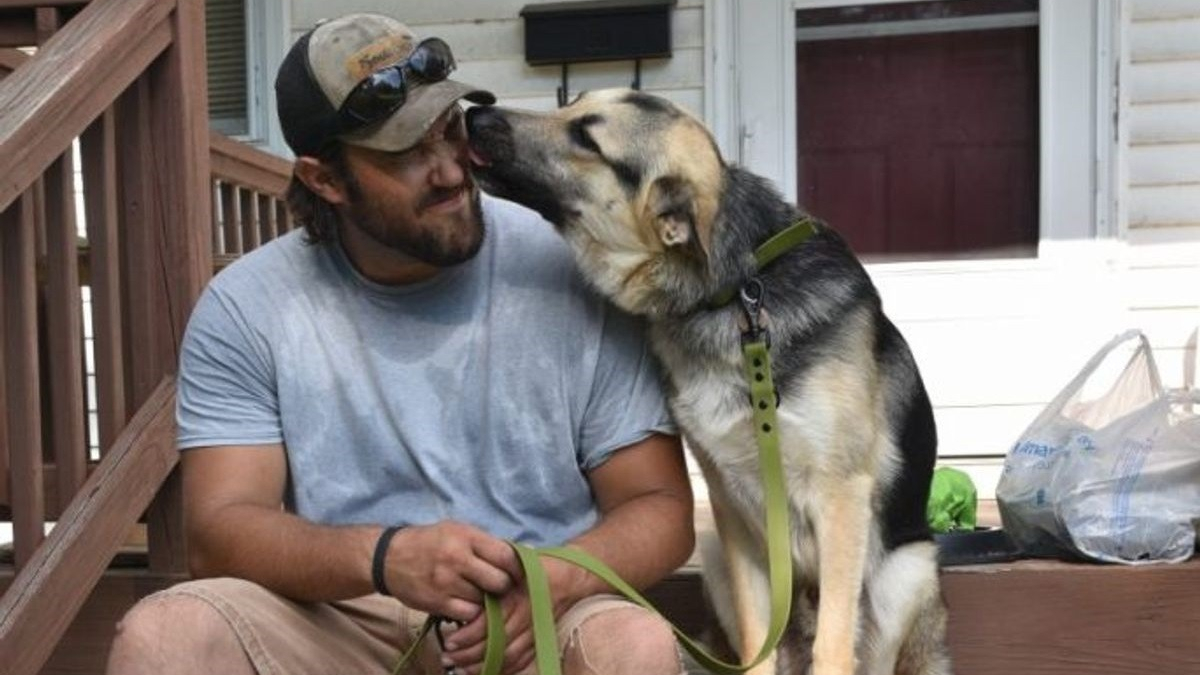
(369, 408)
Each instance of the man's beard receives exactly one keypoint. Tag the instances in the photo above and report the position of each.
(420, 243)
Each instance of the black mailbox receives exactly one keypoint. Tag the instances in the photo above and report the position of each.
(598, 30)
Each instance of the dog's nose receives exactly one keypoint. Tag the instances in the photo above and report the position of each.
(489, 135)
(485, 120)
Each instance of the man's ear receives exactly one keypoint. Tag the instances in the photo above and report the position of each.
(672, 208)
(321, 179)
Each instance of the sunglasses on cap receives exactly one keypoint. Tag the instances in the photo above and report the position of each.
(382, 92)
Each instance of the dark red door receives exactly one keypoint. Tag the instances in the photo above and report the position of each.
(922, 145)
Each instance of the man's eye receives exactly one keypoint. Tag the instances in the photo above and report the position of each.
(456, 129)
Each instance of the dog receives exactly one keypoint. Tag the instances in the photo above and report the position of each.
(659, 223)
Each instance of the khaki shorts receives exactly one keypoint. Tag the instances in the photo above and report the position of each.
(362, 636)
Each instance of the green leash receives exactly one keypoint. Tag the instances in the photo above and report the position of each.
(756, 361)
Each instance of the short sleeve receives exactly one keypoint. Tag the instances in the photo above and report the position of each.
(627, 402)
(226, 389)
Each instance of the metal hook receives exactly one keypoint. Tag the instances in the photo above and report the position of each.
(563, 91)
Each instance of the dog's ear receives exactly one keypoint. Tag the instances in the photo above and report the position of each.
(672, 208)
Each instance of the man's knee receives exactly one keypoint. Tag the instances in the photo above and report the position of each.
(171, 631)
(626, 640)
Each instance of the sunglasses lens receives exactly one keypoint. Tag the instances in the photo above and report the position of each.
(376, 96)
(380, 94)
(432, 60)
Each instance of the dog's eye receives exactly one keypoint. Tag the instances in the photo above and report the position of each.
(580, 136)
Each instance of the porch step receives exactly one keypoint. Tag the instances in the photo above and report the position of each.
(1042, 617)
(1032, 617)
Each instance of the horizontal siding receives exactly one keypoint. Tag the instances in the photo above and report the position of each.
(981, 430)
(511, 78)
(1145, 10)
(1165, 123)
(416, 12)
(1173, 40)
(1163, 206)
(1165, 81)
(985, 473)
(1164, 246)
(505, 38)
(1016, 362)
(1161, 287)
(488, 41)
(1169, 328)
(1164, 164)
(987, 292)
(691, 100)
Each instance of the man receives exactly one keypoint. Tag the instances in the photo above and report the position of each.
(370, 408)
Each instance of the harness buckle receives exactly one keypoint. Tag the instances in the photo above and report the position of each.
(751, 297)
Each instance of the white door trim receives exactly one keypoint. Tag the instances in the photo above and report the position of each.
(751, 105)
(268, 37)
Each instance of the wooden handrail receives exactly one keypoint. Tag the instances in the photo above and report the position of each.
(129, 76)
(74, 77)
(48, 592)
(247, 166)
(26, 4)
(249, 186)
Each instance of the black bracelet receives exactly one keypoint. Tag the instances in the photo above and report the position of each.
(380, 558)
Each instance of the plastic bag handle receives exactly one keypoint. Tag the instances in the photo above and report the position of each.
(1086, 372)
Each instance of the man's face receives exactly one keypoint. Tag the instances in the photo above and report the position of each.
(421, 202)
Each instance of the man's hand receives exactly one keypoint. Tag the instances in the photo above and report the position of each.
(465, 646)
(644, 533)
(445, 568)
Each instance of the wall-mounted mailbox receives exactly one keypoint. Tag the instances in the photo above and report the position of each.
(597, 30)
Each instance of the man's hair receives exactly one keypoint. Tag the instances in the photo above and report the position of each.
(319, 218)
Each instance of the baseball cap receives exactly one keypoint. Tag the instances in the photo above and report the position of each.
(329, 61)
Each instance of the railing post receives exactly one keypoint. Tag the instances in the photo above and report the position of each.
(179, 133)
(19, 304)
(98, 148)
(175, 229)
(64, 333)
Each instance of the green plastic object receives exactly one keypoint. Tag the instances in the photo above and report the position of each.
(952, 501)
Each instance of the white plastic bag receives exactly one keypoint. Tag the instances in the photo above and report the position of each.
(1114, 477)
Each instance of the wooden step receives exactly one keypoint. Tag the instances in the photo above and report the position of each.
(1031, 617)
(1028, 617)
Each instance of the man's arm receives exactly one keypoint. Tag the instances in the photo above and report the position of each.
(645, 532)
(646, 529)
(237, 527)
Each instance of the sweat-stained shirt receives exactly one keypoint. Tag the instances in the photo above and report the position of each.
(482, 395)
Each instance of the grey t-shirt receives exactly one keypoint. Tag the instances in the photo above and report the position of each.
(481, 395)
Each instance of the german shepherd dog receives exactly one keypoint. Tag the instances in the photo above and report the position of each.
(661, 224)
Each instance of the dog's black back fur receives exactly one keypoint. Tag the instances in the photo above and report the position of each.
(808, 292)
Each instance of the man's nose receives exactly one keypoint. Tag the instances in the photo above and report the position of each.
(450, 163)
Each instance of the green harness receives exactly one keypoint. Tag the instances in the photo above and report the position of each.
(757, 365)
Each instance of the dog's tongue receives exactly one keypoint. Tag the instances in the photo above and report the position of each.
(477, 157)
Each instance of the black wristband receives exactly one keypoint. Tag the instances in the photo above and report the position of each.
(380, 558)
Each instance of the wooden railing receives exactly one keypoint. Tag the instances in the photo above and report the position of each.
(247, 185)
(127, 79)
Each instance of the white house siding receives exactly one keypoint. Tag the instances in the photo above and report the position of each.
(996, 341)
(488, 38)
(1163, 174)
